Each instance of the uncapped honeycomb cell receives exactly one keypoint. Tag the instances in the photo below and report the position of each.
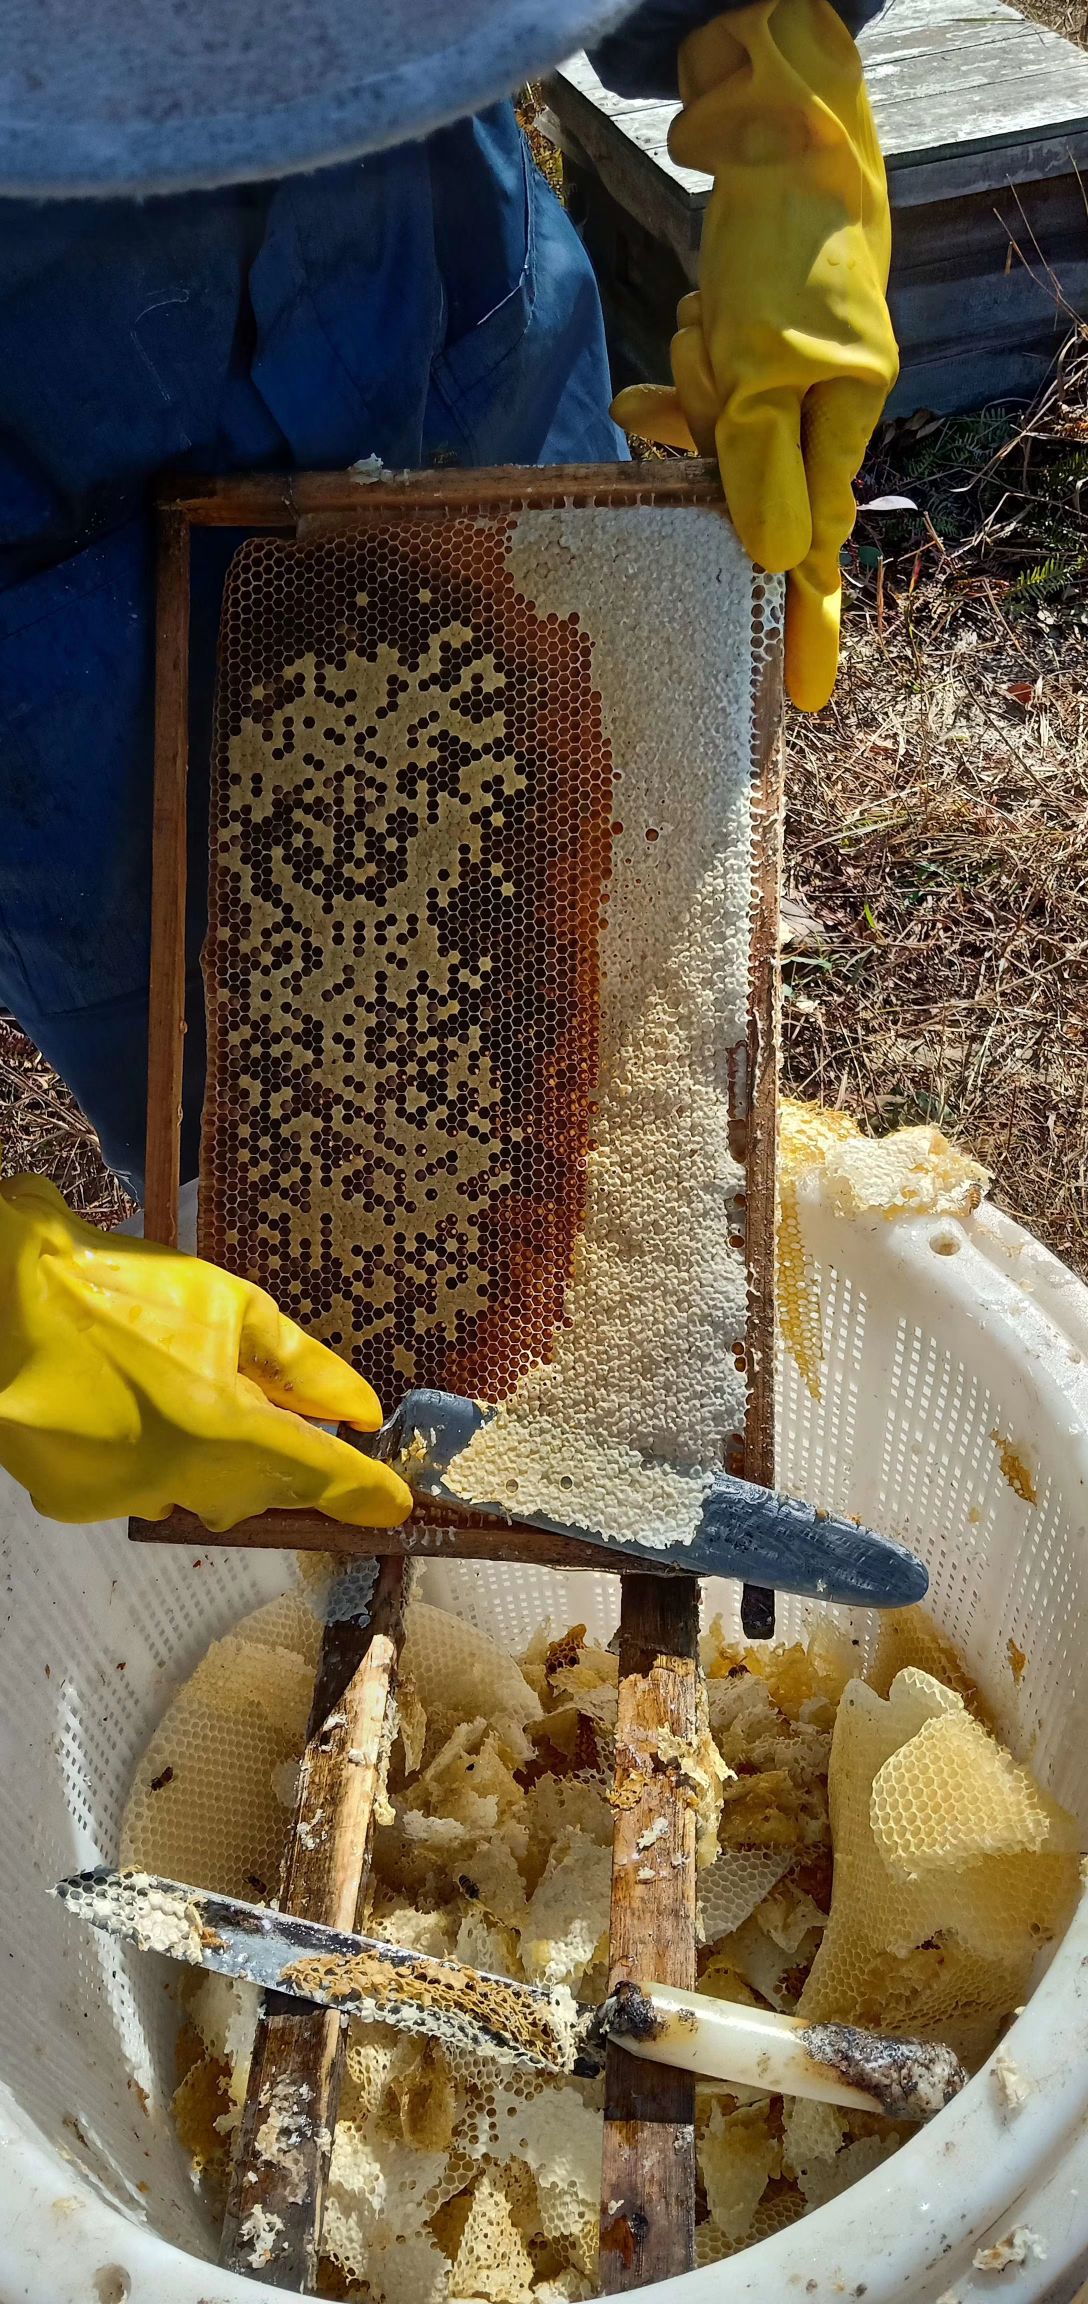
(567, 1918)
(825, 2179)
(206, 1803)
(910, 1637)
(737, 2157)
(919, 1816)
(779, 2204)
(419, 2123)
(457, 1671)
(810, 2132)
(294, 1620)
(477, 970)
(492, 2260)
(952, 1868)
(735, 1884)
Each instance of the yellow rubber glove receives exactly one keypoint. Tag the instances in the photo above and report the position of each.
(784, 354)
(133, 1379)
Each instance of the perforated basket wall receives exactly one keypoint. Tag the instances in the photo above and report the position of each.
(928, 1355)
(479, 966)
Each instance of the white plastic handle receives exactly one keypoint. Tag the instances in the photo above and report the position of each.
(782, 2055)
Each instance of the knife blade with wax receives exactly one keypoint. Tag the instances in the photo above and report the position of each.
(754, 1534)
(539, 2027)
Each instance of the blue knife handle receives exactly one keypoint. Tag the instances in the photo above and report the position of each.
(745, 1531)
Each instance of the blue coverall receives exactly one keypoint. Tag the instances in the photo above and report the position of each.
(429, 305)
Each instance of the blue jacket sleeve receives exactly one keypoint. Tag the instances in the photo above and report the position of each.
(640, 58)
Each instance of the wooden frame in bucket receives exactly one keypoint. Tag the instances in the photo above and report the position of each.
(649, 2159)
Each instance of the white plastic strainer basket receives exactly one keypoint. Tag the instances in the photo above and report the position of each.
(956, 1357)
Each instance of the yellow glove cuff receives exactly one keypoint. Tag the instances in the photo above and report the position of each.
(777, 85)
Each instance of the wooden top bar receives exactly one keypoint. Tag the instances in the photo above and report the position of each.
(283, 499)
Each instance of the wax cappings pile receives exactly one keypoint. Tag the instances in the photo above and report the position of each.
(911, 1172)
(869, 1852)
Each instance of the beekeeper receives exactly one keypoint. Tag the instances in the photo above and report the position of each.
(243, 234)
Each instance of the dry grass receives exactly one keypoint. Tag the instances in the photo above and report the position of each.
(937, 836)
(1070, 17)
(529, 102)
(44, 1133)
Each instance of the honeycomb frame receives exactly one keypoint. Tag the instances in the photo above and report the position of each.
(305, 508)
(310, 508)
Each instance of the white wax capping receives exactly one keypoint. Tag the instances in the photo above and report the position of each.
(162, 1917)
(624, 1427)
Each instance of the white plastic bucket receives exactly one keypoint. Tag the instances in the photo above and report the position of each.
(947, 1342)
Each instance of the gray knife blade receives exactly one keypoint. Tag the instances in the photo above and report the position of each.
(754, 1534)
(541, 2029)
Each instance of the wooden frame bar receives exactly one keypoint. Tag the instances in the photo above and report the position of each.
(420, 1538)
(755, 1108)
(166, 991)
(280, 2166)
(648, 2167)
(283, 501)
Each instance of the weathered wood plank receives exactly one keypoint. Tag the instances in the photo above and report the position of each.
(276, 2198)
(984, 119)
(943, 55)
(648, 2169)
(944, 124)
(970, 318)
(640, 188)
(639, 174)
(580, 101)
(951, 81)
(921, 180)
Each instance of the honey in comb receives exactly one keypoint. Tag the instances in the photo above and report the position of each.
(411, 827)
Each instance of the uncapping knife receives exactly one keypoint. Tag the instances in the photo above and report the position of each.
(540, 2028)
(744, 1531)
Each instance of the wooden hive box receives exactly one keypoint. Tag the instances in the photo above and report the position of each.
(983, 119)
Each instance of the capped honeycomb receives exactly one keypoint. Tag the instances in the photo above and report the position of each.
(477, 972)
